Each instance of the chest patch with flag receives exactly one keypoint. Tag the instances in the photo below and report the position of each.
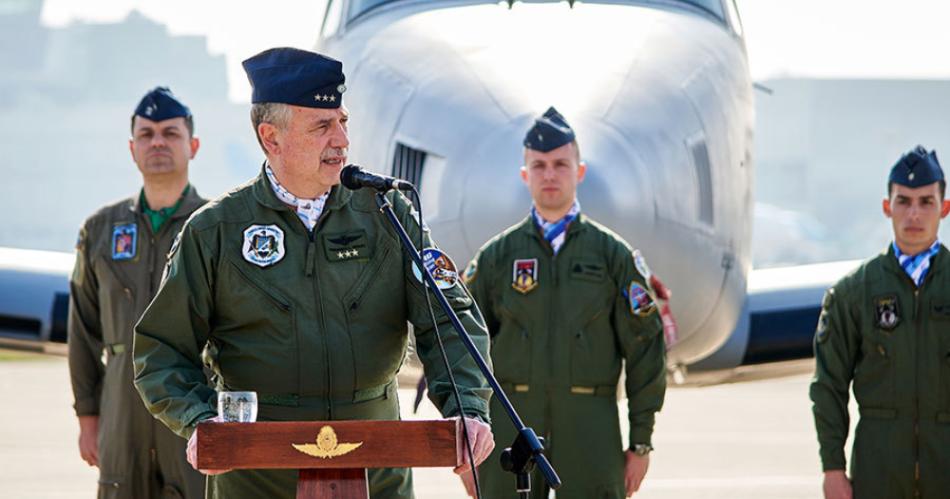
(524, 275)
(887, 312)
(124, 241)
(263, 245)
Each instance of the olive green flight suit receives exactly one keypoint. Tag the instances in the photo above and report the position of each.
(319, 335)
(118, 270)
(557, 350)
(890, 339)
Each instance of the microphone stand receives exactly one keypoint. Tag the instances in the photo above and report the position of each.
(528, 449)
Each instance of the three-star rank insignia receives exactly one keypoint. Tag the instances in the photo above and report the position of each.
(263, 245)
(440, 266)
(887, 312)
(524, 275)
(341, 247)
(640, 299)
(124, 240)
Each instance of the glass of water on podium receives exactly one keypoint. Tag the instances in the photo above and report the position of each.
(237, 407)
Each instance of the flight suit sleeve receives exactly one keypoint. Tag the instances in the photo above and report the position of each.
(84, 332)
(170, 336)
(836, 349)
(473, 388)
(638, 327)
(477, 280)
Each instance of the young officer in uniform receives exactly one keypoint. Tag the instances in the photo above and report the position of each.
(567, 302)
(302, 291)
(119, 260)
(884, 331)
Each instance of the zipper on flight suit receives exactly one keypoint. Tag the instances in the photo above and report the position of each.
(917, 393)
(311, 264)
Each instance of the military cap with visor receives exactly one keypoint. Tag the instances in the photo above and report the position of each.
(549, 132)
(917, 168)
(297, 77)
(160, 104)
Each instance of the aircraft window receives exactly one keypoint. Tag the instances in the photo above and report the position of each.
(332, 19)
(408, 164)
(712, 6)
(700, 156)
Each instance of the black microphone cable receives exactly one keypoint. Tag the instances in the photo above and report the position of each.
(438, 337)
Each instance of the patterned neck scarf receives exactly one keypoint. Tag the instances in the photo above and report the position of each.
(556, 232)
(307, 209)
(917, 265)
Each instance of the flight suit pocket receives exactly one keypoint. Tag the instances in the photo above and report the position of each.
(511, 350)
(117, 304)
(874, 377)
(595, 359)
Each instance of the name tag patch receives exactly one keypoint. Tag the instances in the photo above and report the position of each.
(263, 245)
(590, 271)
(124, 241)
(352, 245)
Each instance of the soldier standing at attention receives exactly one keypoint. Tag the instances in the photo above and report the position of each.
(120, 256)
(567, 303)
(884, 331)
(301, 291)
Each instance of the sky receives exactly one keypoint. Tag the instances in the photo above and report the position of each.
(806, 38)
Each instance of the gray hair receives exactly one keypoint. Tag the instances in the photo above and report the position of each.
(275, 113)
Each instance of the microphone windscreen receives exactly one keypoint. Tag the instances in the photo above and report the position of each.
(349, 177)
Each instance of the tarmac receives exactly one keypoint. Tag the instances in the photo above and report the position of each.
(733, 435)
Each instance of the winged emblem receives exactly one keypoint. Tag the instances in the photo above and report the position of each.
(344, 240)
(327, 446)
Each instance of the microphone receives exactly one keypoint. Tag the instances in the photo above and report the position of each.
(353, 177)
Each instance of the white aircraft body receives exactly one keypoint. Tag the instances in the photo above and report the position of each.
(441, 93)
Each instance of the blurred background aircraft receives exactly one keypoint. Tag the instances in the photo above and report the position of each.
(652, 86)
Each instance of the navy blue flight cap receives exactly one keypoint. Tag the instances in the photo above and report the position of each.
(917, 168)
(161, 104)
(549, 132)
(296, 77)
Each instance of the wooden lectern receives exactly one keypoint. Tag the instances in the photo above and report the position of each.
(332, 456)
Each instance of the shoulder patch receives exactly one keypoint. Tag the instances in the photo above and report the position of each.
(641, 264)
(440, 266)
(471, 270)
(640, 299)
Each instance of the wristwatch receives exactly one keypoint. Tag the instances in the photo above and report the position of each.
(641, 449)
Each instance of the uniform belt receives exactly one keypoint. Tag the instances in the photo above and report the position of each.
(597, 391)
(294, 400)
(115, 348)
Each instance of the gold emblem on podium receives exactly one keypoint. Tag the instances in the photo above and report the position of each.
(327, 446)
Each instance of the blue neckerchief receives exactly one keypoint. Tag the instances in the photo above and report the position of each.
(555, 232)
(917, 265)
(308, 210)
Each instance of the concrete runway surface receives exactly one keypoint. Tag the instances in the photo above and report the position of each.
(743, 437)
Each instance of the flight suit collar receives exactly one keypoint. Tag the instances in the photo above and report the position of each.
(190, 202)
(941, 259)
(266, 196)
(529, 229)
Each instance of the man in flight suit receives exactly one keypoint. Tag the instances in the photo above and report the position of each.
(301, 291)
(567, 302)
(120, 255)
(884, 330)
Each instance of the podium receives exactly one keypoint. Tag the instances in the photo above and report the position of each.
(332, 456)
